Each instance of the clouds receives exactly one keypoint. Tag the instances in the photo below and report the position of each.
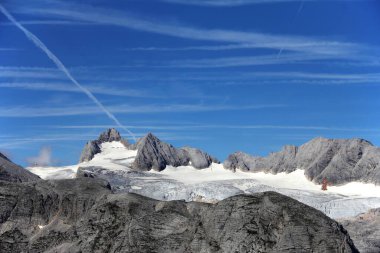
(84, 13)
(203, 75)
(8, 49)
(28, 112)
(186, 127)
(66, 87)
(229, 3)
(43, 159)
(62, 67)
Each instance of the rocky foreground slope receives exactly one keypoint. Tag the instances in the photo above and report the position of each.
(338, 160)
(83, 215)
(364, 230)
(12, 172)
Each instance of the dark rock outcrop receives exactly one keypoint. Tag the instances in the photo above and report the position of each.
(14, 173)
(338, 160)
(93, 147)
(364, 230)
(154, 154)
(81, 215)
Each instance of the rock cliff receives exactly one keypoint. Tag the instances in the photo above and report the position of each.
(338, 160)
(82, 215)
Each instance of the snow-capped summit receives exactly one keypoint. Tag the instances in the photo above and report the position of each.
(93, 147)
(152, 153)
(161, 171)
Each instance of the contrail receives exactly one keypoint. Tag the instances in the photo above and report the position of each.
(62, 67)
(294, 19)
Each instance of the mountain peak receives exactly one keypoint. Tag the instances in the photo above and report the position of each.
(93, 147)
(155, 154)
(111, 134)
(338, 160)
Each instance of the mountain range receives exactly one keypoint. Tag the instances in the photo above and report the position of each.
(125, 197)
(340, 161)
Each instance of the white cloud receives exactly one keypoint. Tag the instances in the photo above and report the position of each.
(290, 58)
(59, 64)
(43, 159)
(8, 49)
(96, 89)
(26, 111)
(225, 3)
(88, 13)
(185, 127)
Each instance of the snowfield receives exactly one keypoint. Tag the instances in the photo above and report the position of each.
(215, 183)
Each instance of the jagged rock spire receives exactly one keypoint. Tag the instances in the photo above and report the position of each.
(109, 135)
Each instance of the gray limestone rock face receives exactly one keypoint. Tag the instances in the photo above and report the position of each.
(109, 135)
(154, 154)
(89, 151)
(338, 160)
(242, 161)
(93, 147)
(198, 158)
(82, 215)
(364, 230)
(12, 172)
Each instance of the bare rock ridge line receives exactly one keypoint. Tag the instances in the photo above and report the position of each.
(364, 230)
(338, 160)
(152, 153)
(83, 215)
(93, 147)
(12, 172)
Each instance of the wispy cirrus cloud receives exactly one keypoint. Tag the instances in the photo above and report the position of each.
(48, 22)
(60, 66)
(290, 58)
(86, 13)
(96, 89)
(226, 3)
(27, 112)
(23, 142)
(51, 79)
(185, 127)
(9, 49)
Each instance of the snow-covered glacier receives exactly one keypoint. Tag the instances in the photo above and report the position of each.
(214, 183)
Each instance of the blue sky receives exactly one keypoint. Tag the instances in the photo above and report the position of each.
(249, 75)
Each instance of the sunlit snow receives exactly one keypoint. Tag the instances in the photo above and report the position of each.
(215, 183)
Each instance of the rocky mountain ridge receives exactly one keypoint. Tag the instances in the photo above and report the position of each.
(152, 153)
(83, 215)
(12, 172)
(93, 147)
(338, 160)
